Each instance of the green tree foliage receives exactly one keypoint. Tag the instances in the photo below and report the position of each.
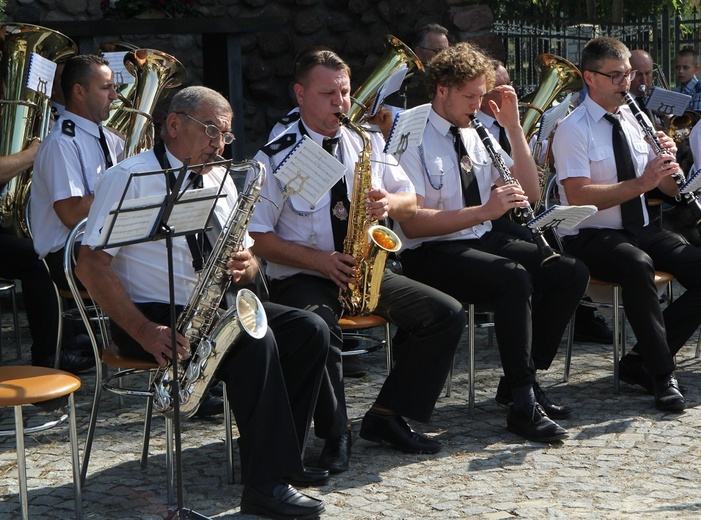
(2, 11)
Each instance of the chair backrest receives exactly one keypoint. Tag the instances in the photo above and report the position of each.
(92, 314)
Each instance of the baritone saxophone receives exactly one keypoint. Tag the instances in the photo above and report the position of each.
(210, 335)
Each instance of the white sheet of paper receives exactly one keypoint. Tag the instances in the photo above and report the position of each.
(390, 86)
(121, 75)
(692, 184)
(41, 74)
(565, 217)
(407, 129)
(552, 117)
(139, 224)
(667, 102)
(309, 171)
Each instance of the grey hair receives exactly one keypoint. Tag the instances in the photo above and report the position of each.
(190, 99)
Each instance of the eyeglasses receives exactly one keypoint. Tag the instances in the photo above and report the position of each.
(617, 78)
(212, 131)
(434, 51)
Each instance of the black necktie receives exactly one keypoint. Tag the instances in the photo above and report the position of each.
(631, 210)
(105, 149)
(470, 188)
(340, 205)
(503, 139)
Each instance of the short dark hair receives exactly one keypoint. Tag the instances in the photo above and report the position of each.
(422, 32)
(456, 65)
(79, 71)
(689, 52)
(310, 58)
(600, 49)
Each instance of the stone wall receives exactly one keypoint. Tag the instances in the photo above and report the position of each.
(354, 28)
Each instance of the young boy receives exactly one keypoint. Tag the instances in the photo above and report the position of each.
(686, 65)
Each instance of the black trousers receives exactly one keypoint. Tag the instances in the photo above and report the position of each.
(434, 322)
(19, 261)
(272, 385)
(532, 304)
(617, 256)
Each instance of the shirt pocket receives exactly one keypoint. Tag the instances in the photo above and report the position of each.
(480, 158)
(641, 151)
(437, 169)
(600, 153)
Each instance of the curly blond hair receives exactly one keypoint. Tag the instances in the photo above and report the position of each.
(456, 65)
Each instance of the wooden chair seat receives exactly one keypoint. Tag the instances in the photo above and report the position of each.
(20, 385)
(361, 322)
(114, 358)
(350, 325)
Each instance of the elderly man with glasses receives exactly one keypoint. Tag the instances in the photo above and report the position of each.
(603, 159)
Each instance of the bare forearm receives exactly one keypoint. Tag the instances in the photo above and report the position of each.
(402, 206)
(435, 222)
(13, 165)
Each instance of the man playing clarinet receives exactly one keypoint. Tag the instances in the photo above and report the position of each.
(602, 158)
(450, 243)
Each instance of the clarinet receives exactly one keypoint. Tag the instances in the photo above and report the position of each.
(689, 197)
(524, 214)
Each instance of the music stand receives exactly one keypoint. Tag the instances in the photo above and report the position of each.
(157, 218)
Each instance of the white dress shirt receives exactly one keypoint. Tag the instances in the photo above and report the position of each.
(583, 147)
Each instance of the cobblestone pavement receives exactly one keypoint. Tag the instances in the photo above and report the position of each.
(623, 459)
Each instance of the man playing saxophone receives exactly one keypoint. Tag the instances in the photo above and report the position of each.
(303, 247)
(272, 383)
(450, 243)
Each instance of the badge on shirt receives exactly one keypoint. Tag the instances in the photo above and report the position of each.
(339, 211)
(466, 164)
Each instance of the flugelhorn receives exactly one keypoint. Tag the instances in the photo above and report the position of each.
(396, 55)
(154, 71)
(25, 112)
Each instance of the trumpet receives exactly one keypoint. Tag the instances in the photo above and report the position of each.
(689, 197)
(525, 214)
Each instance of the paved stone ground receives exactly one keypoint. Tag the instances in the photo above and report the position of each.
(623, 459)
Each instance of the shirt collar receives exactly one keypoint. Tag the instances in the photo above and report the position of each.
(596, 111)
(440, 124)
(487, 121)
(84, 124)
(316, 137)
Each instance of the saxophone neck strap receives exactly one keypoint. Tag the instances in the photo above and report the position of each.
(195, 241)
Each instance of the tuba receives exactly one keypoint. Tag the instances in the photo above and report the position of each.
(366, 241)
(210, 336)
(396, 55)
(154, 71)
(25, 114)
(557, 75)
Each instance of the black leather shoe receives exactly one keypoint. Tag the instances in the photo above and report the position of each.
(631, 370)
(310, 476)
(592, 327)
(353, 367)
(394, 430)
(72, 362)
(668, 397)
(556, 411)
(534, 424)
(211, 406)
(335, 455)
(285, 502)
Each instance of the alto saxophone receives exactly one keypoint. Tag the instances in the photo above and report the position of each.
(211, 338)
(366, 241)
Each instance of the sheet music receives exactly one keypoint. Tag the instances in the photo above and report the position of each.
(552, 117)
(131, 225)
(41, 74)
(122, 76)
(309, 171)
(407, 129)
(692, 184)
(138, 218)
(390, 86)
(565, 217)
(667, 102)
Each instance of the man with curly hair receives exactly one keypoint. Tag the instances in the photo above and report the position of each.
(453, 176)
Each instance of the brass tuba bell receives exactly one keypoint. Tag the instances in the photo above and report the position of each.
(25, 113)
(680, 127)
(396, 55)
(154, 71)
(556, 75)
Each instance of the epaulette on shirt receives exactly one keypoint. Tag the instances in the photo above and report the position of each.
(279, 144)
(289, 118)
(68, 128)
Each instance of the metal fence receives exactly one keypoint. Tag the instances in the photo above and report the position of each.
(525, 38)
